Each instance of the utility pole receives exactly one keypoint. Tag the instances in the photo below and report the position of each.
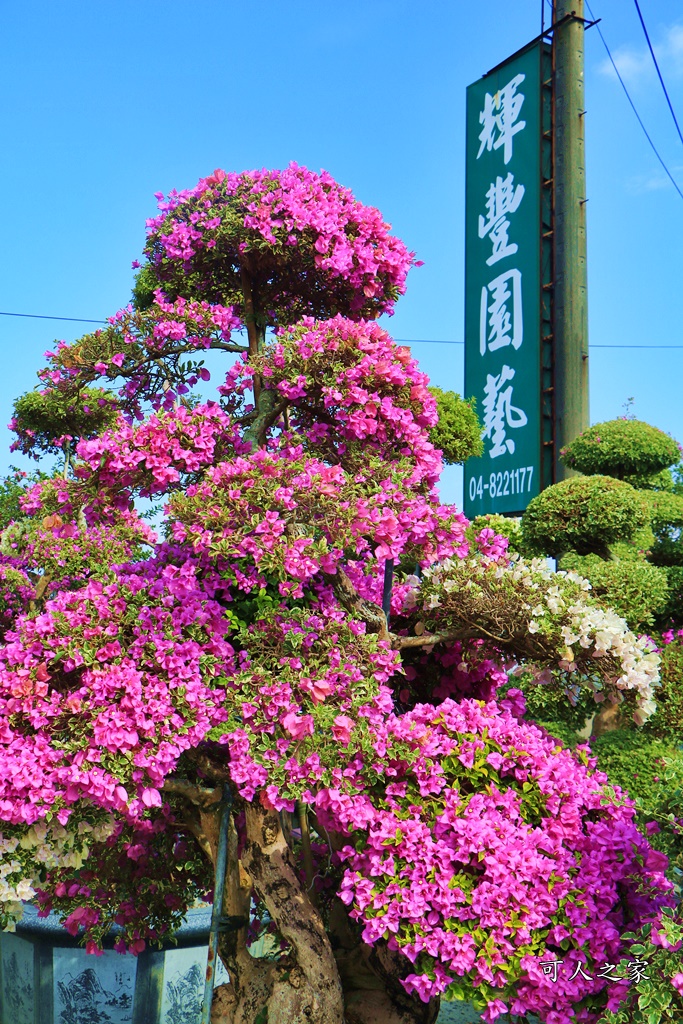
(570, 298)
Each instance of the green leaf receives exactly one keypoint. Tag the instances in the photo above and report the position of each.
(661, 1000)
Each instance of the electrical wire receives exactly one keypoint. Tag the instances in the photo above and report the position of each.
(633, 106)
(659, 73)
(39, 316)
(436, 341)
(400, 341)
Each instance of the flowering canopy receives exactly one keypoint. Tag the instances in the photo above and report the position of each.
(308, 245)
(248, 643)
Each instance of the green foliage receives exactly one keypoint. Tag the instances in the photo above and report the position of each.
(458, 432)
(666, 513)
(506, 526)
(666, 509)
(621, 448)
(662, 481)
(637, 548)
(146, 284)
(43, 418)
(672, 612)
(636, 590)
(650, 770)
(12, 487)
(667, 549)
(583, 513)
(555, 702)
(560, 731)
(668, 719)
(651, 998)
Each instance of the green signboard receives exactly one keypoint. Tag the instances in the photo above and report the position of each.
(503, 286)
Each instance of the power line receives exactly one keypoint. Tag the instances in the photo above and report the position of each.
(39, 316)
(635, 346)
(436, 341)
(659, 73)
(401, 341)
(633, 106)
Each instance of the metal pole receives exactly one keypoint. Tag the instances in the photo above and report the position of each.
(217, 911)
(569, 174)
(388, 586)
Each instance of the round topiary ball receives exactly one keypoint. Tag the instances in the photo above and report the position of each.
(621, 448)
(458, 431)
(583, 514)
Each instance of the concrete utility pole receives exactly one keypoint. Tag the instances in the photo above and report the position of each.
(570, 327)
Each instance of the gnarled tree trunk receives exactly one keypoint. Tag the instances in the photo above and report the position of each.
(328, 976)
(371, 978)
(302, 987)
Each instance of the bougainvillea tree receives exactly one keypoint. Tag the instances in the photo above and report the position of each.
(311, 628)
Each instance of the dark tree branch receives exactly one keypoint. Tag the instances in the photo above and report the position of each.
(349, 598)
(197, 795)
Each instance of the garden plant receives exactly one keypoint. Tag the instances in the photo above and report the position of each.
(619, 525)
(304, 638)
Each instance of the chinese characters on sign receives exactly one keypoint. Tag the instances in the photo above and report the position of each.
(499, 118)
(502, 301)
(500, 322)
(500, 414)
(635, 971)
(501, 199)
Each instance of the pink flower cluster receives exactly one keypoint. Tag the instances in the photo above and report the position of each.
(291, 210)
(307, 684)
(102, 691)
(493, 851)
(355, 393)
(157, 454)
(243, 509)
(491, 544)
(144, 347)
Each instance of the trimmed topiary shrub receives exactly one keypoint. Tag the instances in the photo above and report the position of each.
(584, 514)
(621, 448)
(458, 431)
(635, 589)
(44, 420)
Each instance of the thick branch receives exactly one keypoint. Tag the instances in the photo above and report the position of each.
(306, 848)
(349, 598)
(428, 639)
(268, 413)
(255, 337)
(197, 795)
(314, 990)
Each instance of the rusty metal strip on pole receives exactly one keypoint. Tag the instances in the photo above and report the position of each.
(570, 270)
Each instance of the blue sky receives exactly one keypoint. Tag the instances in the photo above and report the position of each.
(106, 103)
